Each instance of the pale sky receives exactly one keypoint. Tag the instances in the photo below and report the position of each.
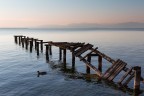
(29, 13)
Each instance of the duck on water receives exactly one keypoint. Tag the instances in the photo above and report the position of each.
(41, 73)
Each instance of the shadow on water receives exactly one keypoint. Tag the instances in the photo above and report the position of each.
(68, 72)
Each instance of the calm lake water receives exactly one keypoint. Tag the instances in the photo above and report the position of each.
(18, 67)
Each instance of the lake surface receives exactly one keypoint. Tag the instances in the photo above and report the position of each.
(18, 67)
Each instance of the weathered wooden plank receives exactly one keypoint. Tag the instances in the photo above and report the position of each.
(64, 58)
(60, 54)
(113, 69)
(91, 66)
(88, 54)
(39, 40)
(73, 60)
(83, 49)
(125, 69)
(64, 46)
(107, 72)
(117, 71)
(76, 46)
(87, 67)
(128, 80)
(104, 56)
(50, 49)
(100, 63)
(47, 52)
(125, 75)
(137, 76)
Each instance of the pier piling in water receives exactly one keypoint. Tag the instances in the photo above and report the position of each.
(26, 43)
(41, 45)
(47, 52)
(19, 40)
(137, 76)
(60, 54)
(100, 63)
(73, 60)
(64, 58)
(37, 48)
(50, 49)
(35, 42)
(87, 67)
(31, 45)
(15, 38)
(23, 41)
(77, 50)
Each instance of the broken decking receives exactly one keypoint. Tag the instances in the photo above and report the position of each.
(78, 49)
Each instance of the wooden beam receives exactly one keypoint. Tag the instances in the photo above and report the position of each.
(117, 71)
(60, 54)
(89, 53)
(87, 67)
(128, 80)
(37, 44)
(104, 56)
(31, 46)
(83, 49)
(92, 67)
(47, 52)
(73, 60)
(41, 45)
(137, 76)
(109, 70)
(50, 49)
(35, 41)
(125, 75)
(64, 58)
(100, 63)
(15, 38)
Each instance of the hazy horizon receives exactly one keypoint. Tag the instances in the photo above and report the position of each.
(32, 13)
(127, 25)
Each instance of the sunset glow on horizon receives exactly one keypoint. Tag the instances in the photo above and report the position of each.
(32, 13)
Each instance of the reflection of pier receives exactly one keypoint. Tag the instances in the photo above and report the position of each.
(84, 52)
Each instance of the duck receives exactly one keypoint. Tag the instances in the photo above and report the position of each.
(41, 73)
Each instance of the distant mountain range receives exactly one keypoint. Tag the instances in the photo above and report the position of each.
(89, 26)
(93, 25)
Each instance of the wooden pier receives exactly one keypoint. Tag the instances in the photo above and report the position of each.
(84, 52)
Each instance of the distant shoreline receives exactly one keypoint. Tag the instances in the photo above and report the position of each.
(83, 29)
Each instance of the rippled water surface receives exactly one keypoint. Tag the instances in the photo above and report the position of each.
(18, 67)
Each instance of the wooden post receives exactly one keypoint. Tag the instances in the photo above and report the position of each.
(50, 49)
(87, 68)
(47, 52)
(64, 58)
(73, 60)
(60, 54)
(26, 43)
(100, 63)
(32, 41)
(31, 45)
(41, 45)
(23, 42)
(37, 43)
(35, 40)
(137, 76)
(19, 40)
(15, 37)
(27, 40)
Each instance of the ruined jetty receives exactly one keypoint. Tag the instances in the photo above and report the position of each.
(85, 52)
